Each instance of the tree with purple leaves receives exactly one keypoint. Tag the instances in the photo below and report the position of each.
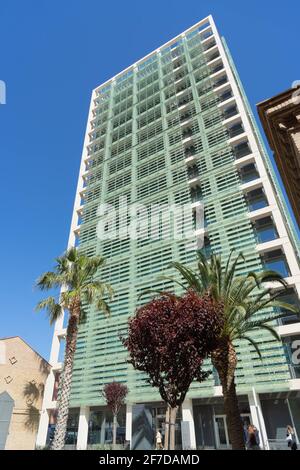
(168, 339)
(115, 394)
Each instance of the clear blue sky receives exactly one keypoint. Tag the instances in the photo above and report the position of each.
(53, 53)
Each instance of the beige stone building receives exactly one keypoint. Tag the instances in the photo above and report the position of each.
(23, 373)
(280, 117)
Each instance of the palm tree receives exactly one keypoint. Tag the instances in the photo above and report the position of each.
(242, 298)
(74, 274)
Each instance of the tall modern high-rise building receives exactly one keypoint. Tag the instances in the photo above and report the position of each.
(176, 128)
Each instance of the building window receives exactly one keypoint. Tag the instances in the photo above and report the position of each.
(276, 261)
(256, 200)
(265, 230)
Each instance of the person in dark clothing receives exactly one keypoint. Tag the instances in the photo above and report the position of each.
(252, 438)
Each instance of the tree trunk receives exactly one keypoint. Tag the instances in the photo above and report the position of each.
(224, 360)
(63, 404)
(114, 431)
(173, 414)
(167, 428)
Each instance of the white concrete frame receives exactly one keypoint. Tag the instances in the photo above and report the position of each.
(283, 241)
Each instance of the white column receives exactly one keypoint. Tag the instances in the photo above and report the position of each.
(257, 418)
(83, 428)
(128, 423)
(187, 415)
(102, 432)
(43, 428)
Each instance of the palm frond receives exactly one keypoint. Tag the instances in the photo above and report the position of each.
(103, 306)
(53, 309)
(254, 344)
(271, 276)
(76, 274)
(189, 275)
(50, 280)
(172, 279)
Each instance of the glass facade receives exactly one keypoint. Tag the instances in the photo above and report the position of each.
(172, 129)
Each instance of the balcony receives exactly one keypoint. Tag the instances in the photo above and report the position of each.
(230, 112)
(212, 57)
(179, 76)
(225, 96)
(220, 82)
(276, 261)
(193, 172)
(265, 231)
(196, 194)
(248, 173)
(217, 69)
(236, 130)
(190, 151)
(256, 200)
(290, 297)
(206, 250)
(242, 150)
(187, 132)
(210, 45)
(177, 64)
(185, 116)
(183, 100)
(206, 35)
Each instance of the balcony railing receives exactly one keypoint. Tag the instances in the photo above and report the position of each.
(193, 174)
(185, 117)
(213, 56)
(279, 265)
(220, 82)
(209, 46)
(230, 112)
(256, 204)
(289, 318)
(266, 234)
(189, 152)
(217, 69)
(196, 198)
(206, 35)
(249, 176)
(242, 151)
(187, 133)
(236, 130)
(225, 96)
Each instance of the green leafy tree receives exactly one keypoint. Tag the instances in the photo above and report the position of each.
(242, 297)
(75, 274)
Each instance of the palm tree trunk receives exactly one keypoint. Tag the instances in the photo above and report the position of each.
(167, 428)
(173, 414)
(224, 360)
(63, 404)
(114, 431)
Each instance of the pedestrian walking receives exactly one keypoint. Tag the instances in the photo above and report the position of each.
(291, 438)
(159, 445)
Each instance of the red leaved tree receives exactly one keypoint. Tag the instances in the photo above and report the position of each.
(115, 394)
(169, 338)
